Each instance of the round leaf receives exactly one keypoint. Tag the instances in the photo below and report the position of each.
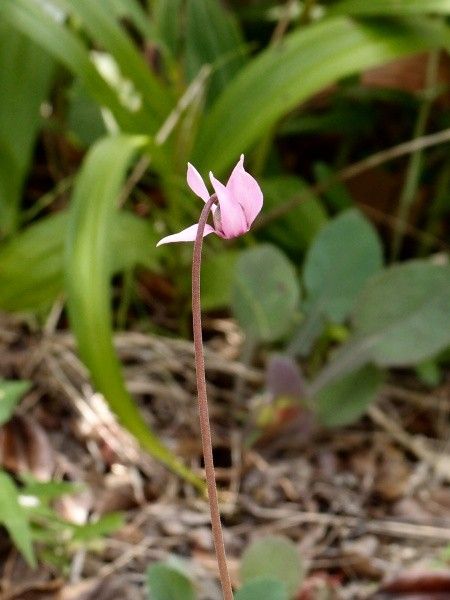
(345, 253)
(264, 588)
(273, 557)
(265, 293)
(403, 314)
(165, 582)
(345, 400)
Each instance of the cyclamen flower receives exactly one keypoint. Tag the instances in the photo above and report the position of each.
(239, 203)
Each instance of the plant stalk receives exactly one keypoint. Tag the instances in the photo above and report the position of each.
(203, 411)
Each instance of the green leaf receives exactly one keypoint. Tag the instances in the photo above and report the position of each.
(345, 400)
(429, 373)
(295, 231)
(282, 77)
(26, 74)
(337, 194)
(11, 393)
(391, 7)
(265, 293)
(104, 526)
(212, 36)
(168, 24)
(344, 254)
(37, 24)
(401, 318)
(101, 24)
(32, 263)
(132, 10)
(263, 588)
(274, 557)
(46, 491)
(14, 519)
(217, 279)
(402, 315)
(88, 269)
(84, 118)
(165, 582)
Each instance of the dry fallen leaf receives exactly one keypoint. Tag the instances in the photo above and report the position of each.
(25, 448)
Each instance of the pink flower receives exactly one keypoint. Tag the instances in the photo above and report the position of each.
(240, 201)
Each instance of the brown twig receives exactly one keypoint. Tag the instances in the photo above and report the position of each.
(203, 411)
(366, 164)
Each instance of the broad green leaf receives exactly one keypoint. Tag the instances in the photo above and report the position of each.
(165, 582)
(13, 518)
(212, 36)
(401, 318)
(11, 393)
(89, 249)
(37, 24)
(274, 557)
(295, 231)
(282, 77)
(263, 588)
(344, 254)
(391, 7)
(26, 74)
(345, 400)
(403, 315)
(32, 263)
(217, 279)
(265, 293)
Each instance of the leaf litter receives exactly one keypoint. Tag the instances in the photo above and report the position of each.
(370, 514)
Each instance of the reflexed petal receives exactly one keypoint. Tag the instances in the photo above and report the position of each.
(244, 190)
(187, 235)
(232, 218)
(196, 183)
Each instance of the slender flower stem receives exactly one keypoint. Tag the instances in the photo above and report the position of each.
(203, 405)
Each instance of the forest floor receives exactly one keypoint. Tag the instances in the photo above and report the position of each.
(368, 505)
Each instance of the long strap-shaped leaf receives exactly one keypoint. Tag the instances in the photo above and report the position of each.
(27, 17)
(280, 78)
(88, 273)
(26, 74)
(104, 29)
(391, 7)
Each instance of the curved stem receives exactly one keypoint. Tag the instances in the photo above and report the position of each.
(203, 405)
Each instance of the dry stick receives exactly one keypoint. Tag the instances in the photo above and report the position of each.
(372, 161)
(203, 411)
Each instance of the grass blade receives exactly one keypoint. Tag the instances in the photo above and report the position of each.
(88, 272)
(101, 24)
(391, 7)
(32, 262)
(279, 79)
(64, 46)
(26, 74)
(212, 36)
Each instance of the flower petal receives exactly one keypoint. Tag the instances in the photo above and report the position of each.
(187, 235)
(232, 219)
(196, 183)
(244, 190)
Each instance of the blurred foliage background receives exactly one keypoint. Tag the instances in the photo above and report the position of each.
(341, 108)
